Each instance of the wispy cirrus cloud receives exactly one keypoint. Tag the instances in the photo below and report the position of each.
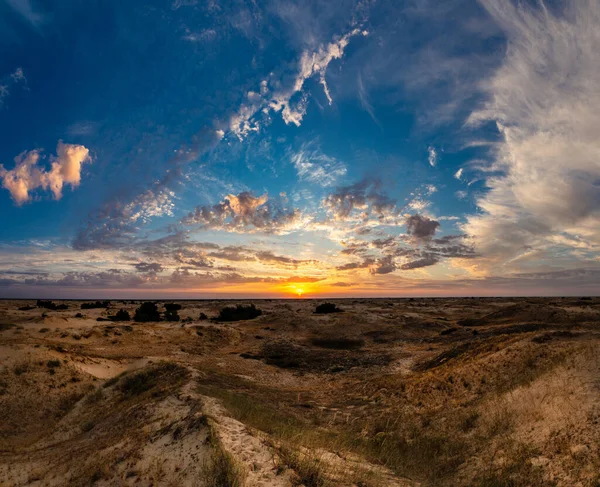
(545, 101)
(8, 82)
(314, 166)
(290, 100)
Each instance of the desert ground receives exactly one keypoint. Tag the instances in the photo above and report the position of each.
(385, 392)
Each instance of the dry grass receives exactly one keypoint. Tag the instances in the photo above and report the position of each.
(222, 470)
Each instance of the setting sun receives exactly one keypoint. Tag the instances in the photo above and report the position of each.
(297, 289)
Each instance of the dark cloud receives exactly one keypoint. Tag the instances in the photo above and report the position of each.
(420, 227)
(148, 267)
(446, 239)
(357, 265)
(381, 243)
(364, 196)
(423, 262)
(234, 254)
(244, 212)
(271, 258)
(355, 248)
(385, 265)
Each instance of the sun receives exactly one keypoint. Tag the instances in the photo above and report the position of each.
(298, 290)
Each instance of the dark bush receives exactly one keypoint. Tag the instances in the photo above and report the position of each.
(46, 304)
(78, 315)
(338, 343)
(122, 315)
(171, 315)
(239, 312)
(26, 308)
(202, 317)
(53, 363)
(97, 304)
(171, 311)
(327, 308)
(147, 312)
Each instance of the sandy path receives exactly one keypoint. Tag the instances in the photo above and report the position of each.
(257, 459)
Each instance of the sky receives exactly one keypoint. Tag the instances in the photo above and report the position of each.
(285, 148)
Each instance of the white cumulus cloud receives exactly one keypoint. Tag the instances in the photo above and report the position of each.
(27, 175)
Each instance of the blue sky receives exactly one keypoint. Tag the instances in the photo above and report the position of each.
(370, 148)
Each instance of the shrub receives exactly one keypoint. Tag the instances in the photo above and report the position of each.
(78, 315)
(147, 312)
(53, 363)
(122, 315)
(46, 304)
(327, 308)
(202, 317)
(171, 311)
(239, 312)
(26, 308)
(338, 343)
(97, 304)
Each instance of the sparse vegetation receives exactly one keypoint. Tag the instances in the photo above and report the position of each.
(94, 305)
(239, 313)
(147, 312)
(222, 470)
(167, 374)
(51, 305)
(417, 397)
(325, 308)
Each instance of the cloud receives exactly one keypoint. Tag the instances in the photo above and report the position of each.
(25, 8)
(269, 257)
(364, 99)
(290, 100)
(17, 77)
(458, 174)
(368, 262)
(314, 166)
(148, 267)
(364, 196)
(27, 176)
(432, 157)
(545, 101)
(420, 227)
(429, 260)
(385, 265)
(245, 213)
(114, 224)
